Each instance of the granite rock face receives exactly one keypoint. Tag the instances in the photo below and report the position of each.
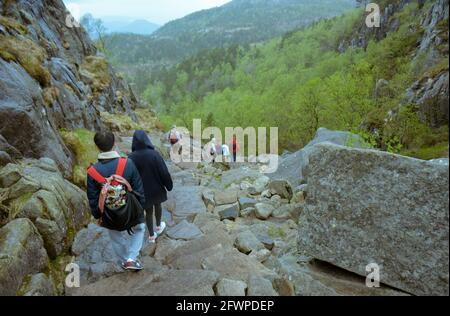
(366, 206)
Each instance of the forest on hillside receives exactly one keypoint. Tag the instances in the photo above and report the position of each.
(238, 22)
(311, 78)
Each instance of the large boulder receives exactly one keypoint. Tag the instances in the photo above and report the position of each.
(36, 190)
(292, 165)
(164, 283)
(187, 202)
(370, 207)
(94, 254)
(21, 253)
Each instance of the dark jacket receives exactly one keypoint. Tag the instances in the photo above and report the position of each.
(108, 168)
(152, 168)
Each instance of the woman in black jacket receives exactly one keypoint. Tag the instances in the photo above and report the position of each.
(155, 177)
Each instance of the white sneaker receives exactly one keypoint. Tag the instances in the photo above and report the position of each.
(160, 229)
(152, 239)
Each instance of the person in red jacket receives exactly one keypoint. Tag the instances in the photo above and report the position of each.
(234, 145)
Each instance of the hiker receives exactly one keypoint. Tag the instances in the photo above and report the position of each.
(116, 196)
(174, 136)
(212, 149)
(156, 178)
(225, 152)
(234, 146)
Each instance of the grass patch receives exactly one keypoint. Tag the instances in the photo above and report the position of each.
(276, 232)
(437, 69)
(147, 120)
(97, 69)
(431, 152)
(81, 143)
(11, 24)
(17, 205)
(118, 122)
(29, 55)
(50, 95)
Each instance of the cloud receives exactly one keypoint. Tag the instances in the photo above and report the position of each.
(158, 11)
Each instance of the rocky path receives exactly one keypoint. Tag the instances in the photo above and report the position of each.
(231, 232)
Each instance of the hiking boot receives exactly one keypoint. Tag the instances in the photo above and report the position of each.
(133, 265)
(152, 239)
(160, 229)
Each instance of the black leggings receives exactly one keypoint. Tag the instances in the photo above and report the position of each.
(149, 217)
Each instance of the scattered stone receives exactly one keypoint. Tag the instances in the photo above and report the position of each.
(261, 255)
(284, 287)
(248, 212)
(266, 194)
(229, 211)
(246, 202)
(184, 231)
(259, 286)
(263, 210)
(281, 188)
(229, 196)
(246, 242)
(259, 185)
(227, 287)
(208, 198)
(283, 212)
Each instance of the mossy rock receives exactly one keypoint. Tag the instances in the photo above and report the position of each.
(97, 72)
(119, 122)
(29, 55)
(81, 143)
(21, 253)
(12, 25)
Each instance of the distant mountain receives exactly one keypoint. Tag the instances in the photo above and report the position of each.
(119, 24)
(237, 22)
(141, 27)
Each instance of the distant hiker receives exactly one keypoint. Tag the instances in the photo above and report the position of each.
(116, 196)
(156, 178)
(174, 138)
(234, 145)
(212, 149)
(225, 152)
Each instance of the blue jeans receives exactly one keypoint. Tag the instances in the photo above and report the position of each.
(128, 247)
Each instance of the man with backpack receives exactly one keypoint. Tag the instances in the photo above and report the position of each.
(156, 178)
(116, 195)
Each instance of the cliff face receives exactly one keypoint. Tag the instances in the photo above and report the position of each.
(51, 78)
(429, 94)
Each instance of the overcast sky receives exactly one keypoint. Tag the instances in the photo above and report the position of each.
(157, 11)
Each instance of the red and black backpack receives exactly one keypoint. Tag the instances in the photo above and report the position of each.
(126, 214)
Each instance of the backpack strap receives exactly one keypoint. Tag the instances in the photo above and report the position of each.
(96, 175)
(121, 166)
